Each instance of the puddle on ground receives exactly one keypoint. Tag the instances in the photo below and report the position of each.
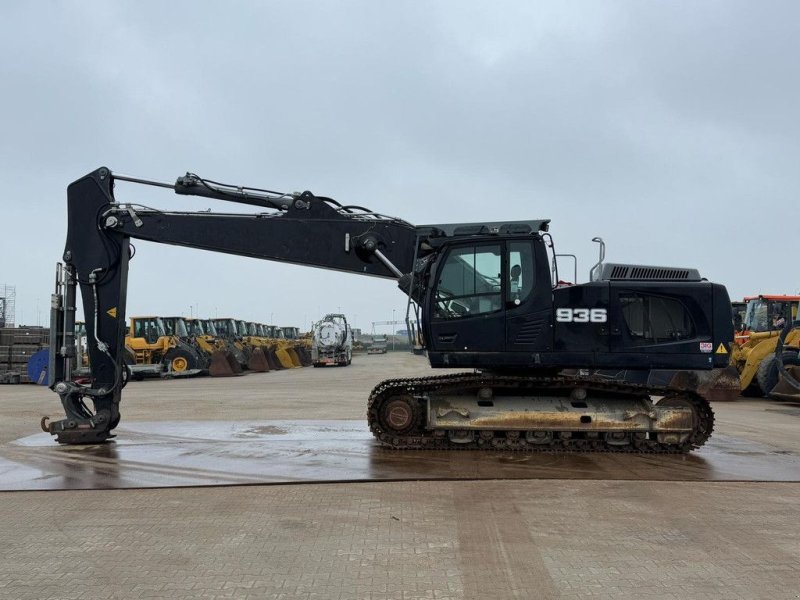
(197, 453)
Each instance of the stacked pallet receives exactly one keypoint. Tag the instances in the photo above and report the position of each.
(17, 345)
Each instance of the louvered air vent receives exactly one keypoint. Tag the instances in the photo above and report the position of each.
(618, 272)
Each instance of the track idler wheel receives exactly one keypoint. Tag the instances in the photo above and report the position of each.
(678, 438)
(401, 415)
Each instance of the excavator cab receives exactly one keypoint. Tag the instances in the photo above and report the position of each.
(470, 303)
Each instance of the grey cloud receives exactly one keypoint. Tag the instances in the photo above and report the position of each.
(670, 129)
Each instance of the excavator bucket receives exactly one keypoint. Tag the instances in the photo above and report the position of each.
(786, 390)
(224, 364)
(258, 361)
(717, 385)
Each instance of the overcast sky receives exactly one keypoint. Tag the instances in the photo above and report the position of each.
(670, 129)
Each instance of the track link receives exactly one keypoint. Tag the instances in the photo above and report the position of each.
(414, 436)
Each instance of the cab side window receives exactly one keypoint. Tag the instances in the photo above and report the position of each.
(147, 329)
(469, 283)
(520, 272)
(652, 319)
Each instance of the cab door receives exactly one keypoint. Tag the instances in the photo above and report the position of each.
(466, 313)
(528, 300)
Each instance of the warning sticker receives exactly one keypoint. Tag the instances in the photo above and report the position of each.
(706, 346)
(112, 312)
(722, 349)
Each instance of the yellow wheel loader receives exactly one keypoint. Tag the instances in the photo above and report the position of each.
(221, 360)
(159, 352)
(283, 348)
(301, 345)
(258, 346)
(784, 365)
(757, 339)
(227, 330)
(231, 352)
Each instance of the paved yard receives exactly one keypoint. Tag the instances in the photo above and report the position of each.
(525, 538)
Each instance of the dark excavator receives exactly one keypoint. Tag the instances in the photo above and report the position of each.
(485, 296)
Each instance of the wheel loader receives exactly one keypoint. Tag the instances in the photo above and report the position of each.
(227, 329)
(161, 352)
(753, 353)
(489, 304)
(234, 356)
(258, 346)
(287, 357)
(221, 360)
(785, 363)
(178, 327)
(301, 345)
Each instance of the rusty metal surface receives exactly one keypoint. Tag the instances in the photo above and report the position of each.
(556, 414)
(199, 453)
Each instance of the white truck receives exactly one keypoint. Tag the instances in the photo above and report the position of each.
(332, 342)
(378, 345)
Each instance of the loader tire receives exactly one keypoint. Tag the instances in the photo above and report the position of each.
(179, 360)
(768, 375)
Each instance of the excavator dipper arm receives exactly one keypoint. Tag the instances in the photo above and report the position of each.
(295, 228)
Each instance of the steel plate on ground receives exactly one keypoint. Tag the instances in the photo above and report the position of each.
(201, 453)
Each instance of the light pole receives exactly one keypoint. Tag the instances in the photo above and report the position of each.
(393, 330)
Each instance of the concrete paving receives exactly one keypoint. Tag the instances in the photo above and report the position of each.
(490, 526)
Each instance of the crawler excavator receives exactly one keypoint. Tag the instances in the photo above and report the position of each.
(484, 293)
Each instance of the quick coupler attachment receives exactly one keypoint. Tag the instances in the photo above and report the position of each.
(80, 426)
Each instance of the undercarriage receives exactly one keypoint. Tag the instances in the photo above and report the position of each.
(524, 413)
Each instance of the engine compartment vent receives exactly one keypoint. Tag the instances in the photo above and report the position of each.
(624, 272)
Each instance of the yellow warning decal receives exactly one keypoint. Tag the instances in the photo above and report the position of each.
(112, 312)
(722, 349)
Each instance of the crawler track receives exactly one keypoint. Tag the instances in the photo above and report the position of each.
(415, 436)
